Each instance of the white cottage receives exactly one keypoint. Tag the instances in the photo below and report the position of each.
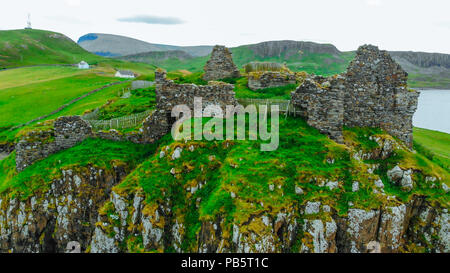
(125, 74)
(83, 65)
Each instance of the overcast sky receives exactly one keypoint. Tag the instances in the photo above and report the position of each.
(391, 24)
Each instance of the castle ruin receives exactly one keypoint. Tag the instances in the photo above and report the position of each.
(372, 93)
(220, 65)
(170, 94)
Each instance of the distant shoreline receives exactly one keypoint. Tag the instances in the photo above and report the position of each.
(431, 88)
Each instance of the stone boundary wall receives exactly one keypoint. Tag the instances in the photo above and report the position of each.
(170, 94)
(268, 79)
(67, 132)
(372, 93)
(39, 144)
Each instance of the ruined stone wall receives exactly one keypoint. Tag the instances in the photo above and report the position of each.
(39, 144)
(377, 94)
(321, 103)
(268, 79)
(374, 94)
(170, 94)
(220, 65)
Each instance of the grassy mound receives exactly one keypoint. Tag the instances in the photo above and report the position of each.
(36, 47)
(91, 152)
(234, 180)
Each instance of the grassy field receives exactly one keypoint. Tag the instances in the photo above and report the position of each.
(433, 144)
(97, 152)
(31, 47)
(31, 92)
(31, 99)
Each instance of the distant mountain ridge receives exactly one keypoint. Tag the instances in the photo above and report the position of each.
(289, 48)
(118, 46)
(111, 45)
(157, 56)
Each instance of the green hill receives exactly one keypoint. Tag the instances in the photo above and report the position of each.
(323, 59)
(38, 47)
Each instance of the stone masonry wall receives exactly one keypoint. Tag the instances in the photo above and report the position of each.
(170, 94)
(372, 93)
(220, 65)
(321, 102)
(39, 144)
(377, 94)
(268, 79)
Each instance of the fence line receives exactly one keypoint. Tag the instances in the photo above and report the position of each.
(117, 123)
(285, 106)
(131, 121)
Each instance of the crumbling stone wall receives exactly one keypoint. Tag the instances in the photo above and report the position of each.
(39, 144)
(320, 101)
(220, 65)
(374, 94)
(268, 79)
(377, 94)
(170, 94)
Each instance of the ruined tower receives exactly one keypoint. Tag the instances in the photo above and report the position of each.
(372, 93)
(220, 65)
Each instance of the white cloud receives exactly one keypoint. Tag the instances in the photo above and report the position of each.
(73, 3)
(374, 3)
(152, 20)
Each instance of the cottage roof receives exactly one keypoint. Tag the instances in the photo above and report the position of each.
(83, 62)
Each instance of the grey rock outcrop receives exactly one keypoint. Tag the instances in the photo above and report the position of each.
(220, 65)
(48, 220)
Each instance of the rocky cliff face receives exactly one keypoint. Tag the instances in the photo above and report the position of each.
(66, 211)
(377, 208)
(156, 56)
(289, 48)
(127, 223)
(423, 59)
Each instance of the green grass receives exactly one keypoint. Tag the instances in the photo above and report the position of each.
(428, 81)
(240, 86)
(323, 64)
(33, 47)
(242, 90)
(23, 103)
(239, 168)
(95, 152)
(140, 100)
(434, 145)
(31, 92)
